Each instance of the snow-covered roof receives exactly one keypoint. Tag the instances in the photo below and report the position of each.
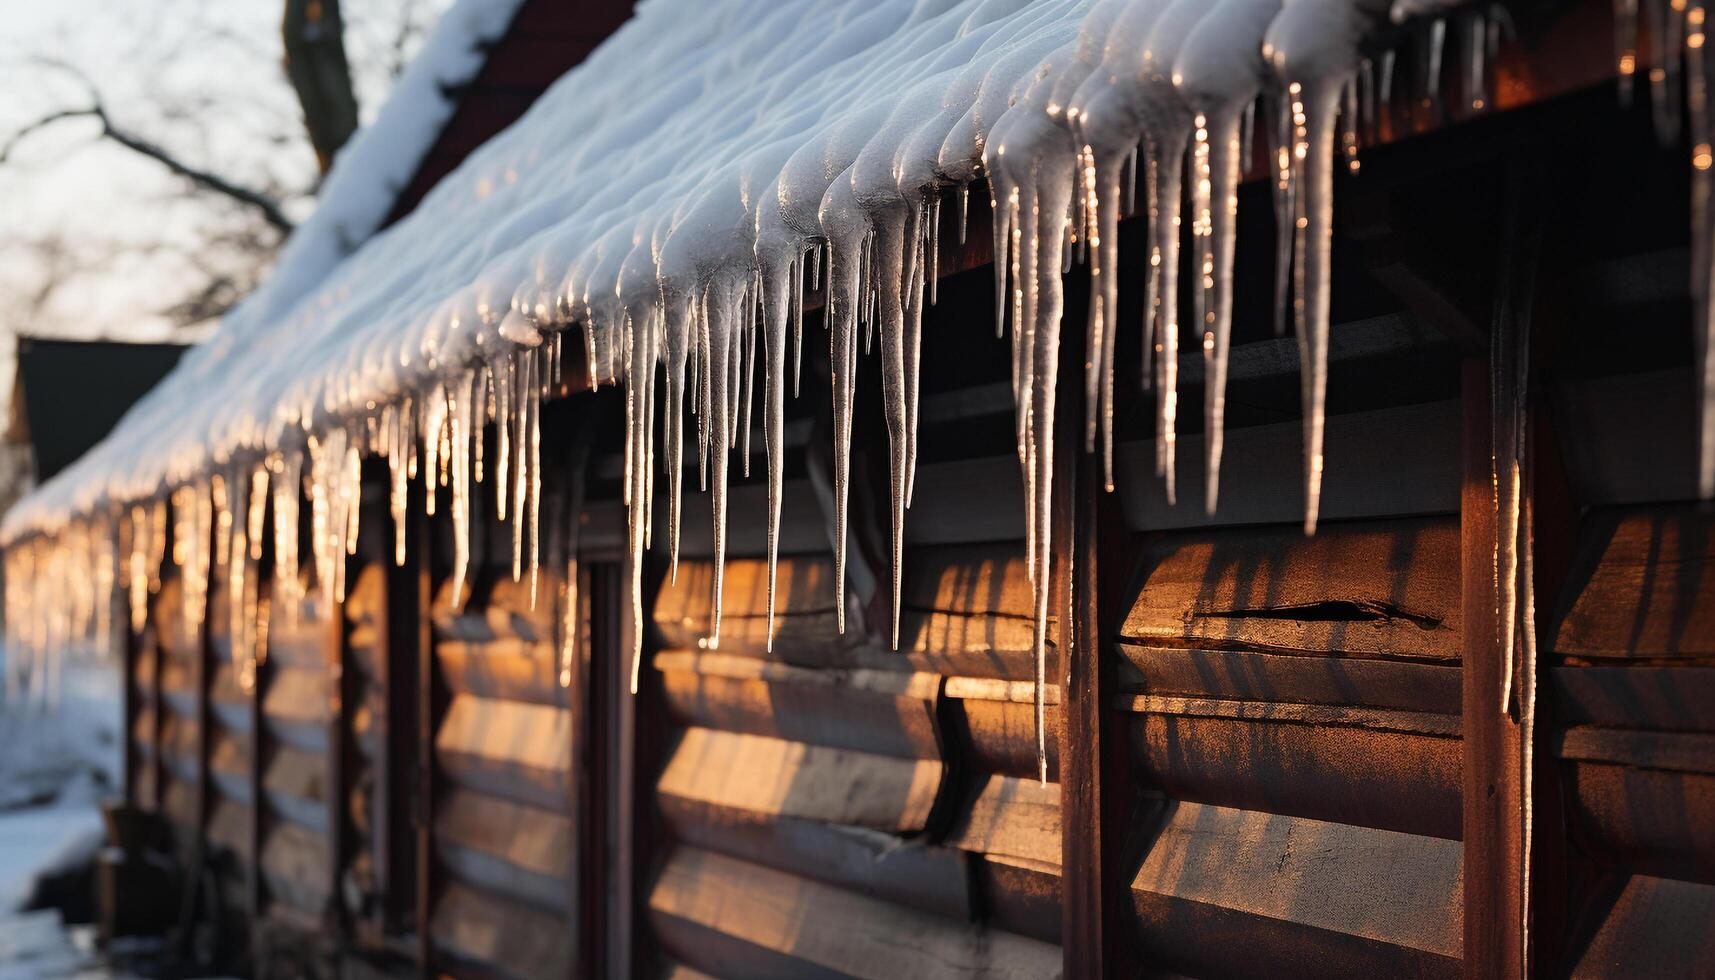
(702, 140)
(671, 196)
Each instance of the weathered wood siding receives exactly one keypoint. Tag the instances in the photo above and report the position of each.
(1292, 708)
(1631, 673)
(502, 839)
(834, 808)
(296, 689)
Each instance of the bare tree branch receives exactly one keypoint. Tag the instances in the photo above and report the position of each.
(264, 205)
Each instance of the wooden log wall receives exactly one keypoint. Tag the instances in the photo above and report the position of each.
(502, 839)
(502, 823)
(1288, 754)
(295, 690)
(177, 741)
(832, 807)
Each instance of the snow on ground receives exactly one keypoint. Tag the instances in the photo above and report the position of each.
(56, 764)
(37, 945)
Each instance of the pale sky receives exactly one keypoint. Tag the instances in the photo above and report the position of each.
(201, 77)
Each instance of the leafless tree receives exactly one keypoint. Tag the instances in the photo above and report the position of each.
(248, 216)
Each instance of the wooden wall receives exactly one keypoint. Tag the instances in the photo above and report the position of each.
(834, 808)
(1269, 754)
(502, 837)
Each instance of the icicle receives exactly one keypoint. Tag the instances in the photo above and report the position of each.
(747, 379)
(1437, 42)
(1002, 231)
(1476, 65)
(1171, 147)
(1315, 106)
(892, 232)
(222, 520)
(1349, 124)
(933, 245)
(138, 567)
(1702, 238)
(676, 339)
(1669, 45)
(1049, 199)
(522, 397)
(1225, 165)
(1626, 46)
(287, 487)
(964, 193)
(797, 302)
(723, 312)
(841, 314)
(1285, 205)
(479, 421)
(463, 414)
(238, 623)
(434, 441)
(776, 296)
(402, 440)
(533, 487)
(913, 351)
(504, 373)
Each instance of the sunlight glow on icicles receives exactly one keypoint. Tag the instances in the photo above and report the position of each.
(693, 252)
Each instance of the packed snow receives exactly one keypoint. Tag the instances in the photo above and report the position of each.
(675, 198)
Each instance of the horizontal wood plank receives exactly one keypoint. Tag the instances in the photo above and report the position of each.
(824, 931)
(904, 872)
(774, 776)
(1390, 771)
(1384, 589)
(1646, 586)
(1231, 892)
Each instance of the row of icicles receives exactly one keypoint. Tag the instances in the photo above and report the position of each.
(1057, 197)
(61, 591)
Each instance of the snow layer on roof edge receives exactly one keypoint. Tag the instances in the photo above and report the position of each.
(356, 196)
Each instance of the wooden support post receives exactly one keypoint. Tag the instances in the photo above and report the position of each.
(338, 789)
(622, 775)
(258, 689)
(1084, 839)
(399, 620)
(202, 646)
(129, 656)
(575, 688)
(158, 670)
(1092, 556)
(1493, 795)
(420, 562)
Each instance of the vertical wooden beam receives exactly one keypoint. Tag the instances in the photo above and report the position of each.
(1078, 671)
(399, 739)
(1493, 787)
(1083, 841)
(623, 811)
(258, 689)
(158, 760)
(574, 688)
(203, 647)
(129, 656)
(338, 789)
(1092, 557)
(420, 561)
(574, 680)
